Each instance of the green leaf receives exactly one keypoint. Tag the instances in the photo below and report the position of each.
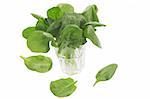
(41, 26)
(95, 24)
(106, 73)
(71, 36)
(66, 8)
(38, 17)
(54, 28)
(55, 13)
(38, 42)
(89, 33)
(38, 63)
(73, 18)
(90, 13)
(26, 32)
(63, 87)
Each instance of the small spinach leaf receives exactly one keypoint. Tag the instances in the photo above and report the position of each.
(38, 63)
(91, 13)
(106, 73)
(66, 8)
(38, 17)
(38, 42)
(63, 87)
(26, 32)
(55, 13)
(89, 33)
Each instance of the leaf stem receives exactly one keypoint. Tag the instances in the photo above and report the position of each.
(95, 83)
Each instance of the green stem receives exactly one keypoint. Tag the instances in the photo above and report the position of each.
(95, 83)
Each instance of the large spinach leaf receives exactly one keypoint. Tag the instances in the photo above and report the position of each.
(38, 63)
(63, 87)
(106, 73)
(38, 41)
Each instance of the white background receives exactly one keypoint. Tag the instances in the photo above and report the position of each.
(125, 41)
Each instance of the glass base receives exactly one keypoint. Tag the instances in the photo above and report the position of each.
(72, 60)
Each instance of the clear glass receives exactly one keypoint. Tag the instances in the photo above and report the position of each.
(71, 60)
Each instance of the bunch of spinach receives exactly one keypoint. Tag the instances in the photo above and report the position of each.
(66, 30)
(63, 28)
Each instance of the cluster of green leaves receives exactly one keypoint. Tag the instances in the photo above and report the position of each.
(63, 27)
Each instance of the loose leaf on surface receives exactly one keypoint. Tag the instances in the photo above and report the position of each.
(63, 87)
(38, 63)
(106, 73)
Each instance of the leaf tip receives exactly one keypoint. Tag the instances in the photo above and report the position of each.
(22, 57)
(104, 25)
(75, 82)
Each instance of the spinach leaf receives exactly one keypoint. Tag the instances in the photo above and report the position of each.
(94, 24)
(38, 17)
(26, 32)
(41, 26)
(91, 13)
(63, 87)
(89, 33)
(55, 13)
(38, 41)
(106, 73)
(54, 28)
(38, 63)
(66, 8)
(73, 18)
(71, 36)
